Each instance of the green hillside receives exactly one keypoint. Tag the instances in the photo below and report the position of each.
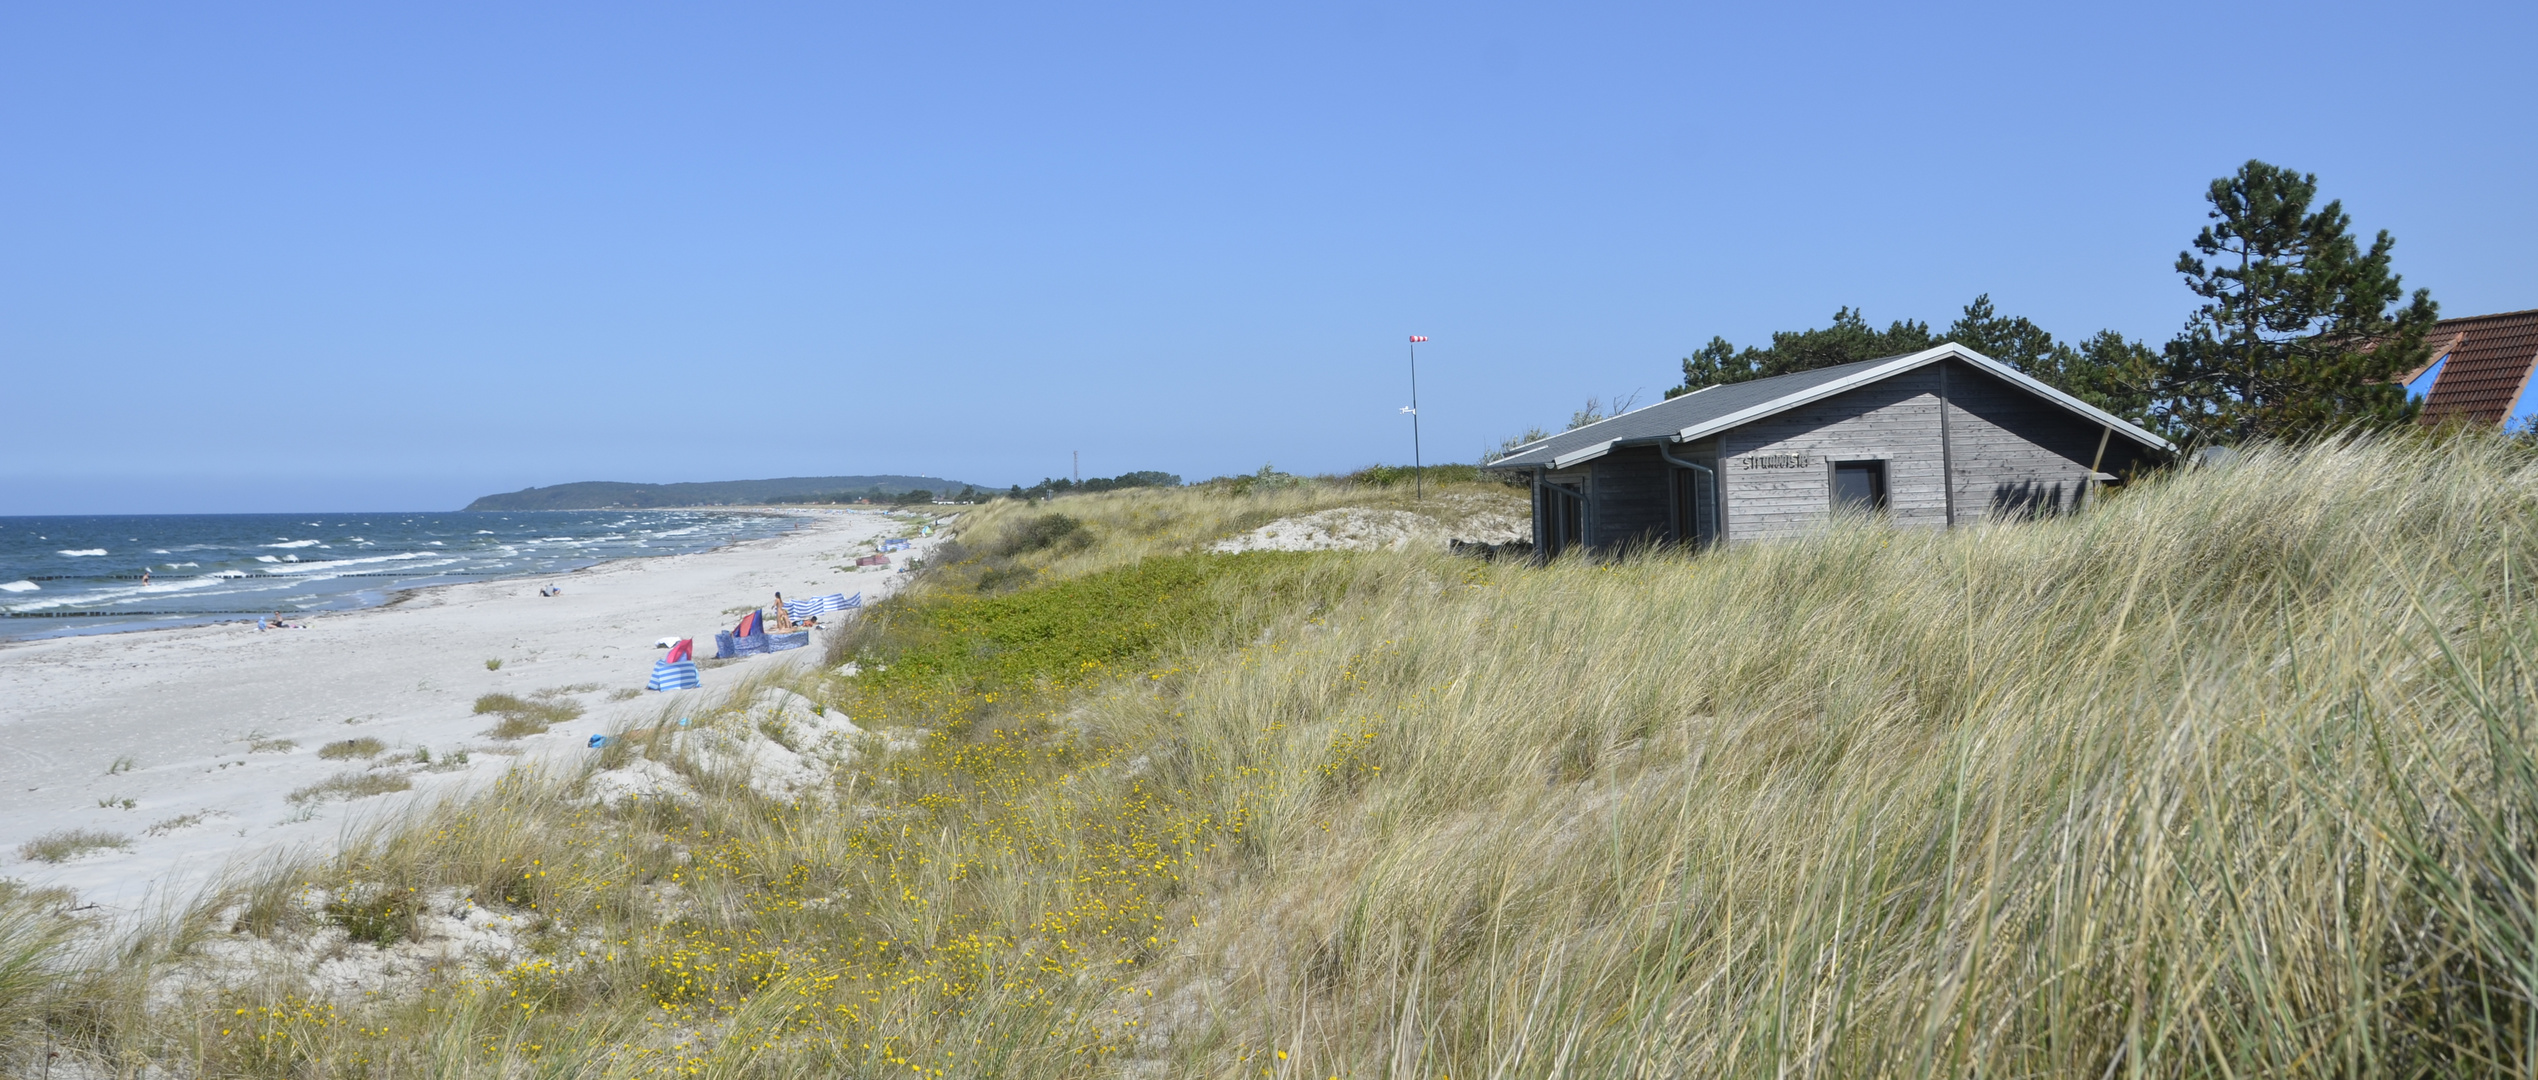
(611, 494)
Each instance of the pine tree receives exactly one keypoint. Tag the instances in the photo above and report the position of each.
(1849, 338)
(2301, 333)
(2109, 370)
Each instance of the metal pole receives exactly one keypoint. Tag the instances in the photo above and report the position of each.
(1417, 470)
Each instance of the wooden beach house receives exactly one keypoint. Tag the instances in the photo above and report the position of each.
(1934, 438)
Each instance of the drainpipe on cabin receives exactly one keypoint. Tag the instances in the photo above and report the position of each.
(1717, 494)
(2103, 433)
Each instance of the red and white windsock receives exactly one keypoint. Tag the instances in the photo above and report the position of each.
(1417, 338)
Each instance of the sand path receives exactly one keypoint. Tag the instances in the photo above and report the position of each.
(184, 705)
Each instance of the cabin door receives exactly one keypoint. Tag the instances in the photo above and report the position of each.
(1695, 508)
(1563, 520)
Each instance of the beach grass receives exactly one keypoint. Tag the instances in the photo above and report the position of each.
(258, 744)
(63, 845)
(342, 749)
(179, 823)
(527, 716)
(352, 785)
(2227, 776)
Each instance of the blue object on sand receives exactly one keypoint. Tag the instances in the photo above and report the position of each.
(678, 676)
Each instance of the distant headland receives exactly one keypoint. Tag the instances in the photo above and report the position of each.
(613, 495)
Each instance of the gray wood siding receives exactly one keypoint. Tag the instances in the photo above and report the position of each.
(1632, 501)
(2016, 454)
(1896, 421)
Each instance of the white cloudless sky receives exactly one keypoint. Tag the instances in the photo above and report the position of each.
(330, 257)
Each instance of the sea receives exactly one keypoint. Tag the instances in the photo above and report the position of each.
(90, 575)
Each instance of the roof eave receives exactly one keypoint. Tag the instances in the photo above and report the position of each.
(1908, 362)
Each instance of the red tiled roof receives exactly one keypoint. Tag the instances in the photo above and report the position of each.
(2490, 359)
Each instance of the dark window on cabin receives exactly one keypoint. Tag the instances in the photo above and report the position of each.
(1859, 485)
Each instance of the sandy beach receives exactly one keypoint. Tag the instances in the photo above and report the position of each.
(176, 738)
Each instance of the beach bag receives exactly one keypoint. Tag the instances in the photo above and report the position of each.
(676, 671)
(678, 676)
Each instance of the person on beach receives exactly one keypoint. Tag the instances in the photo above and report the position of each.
(783, 618)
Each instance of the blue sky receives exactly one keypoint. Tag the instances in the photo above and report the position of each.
(265, 257)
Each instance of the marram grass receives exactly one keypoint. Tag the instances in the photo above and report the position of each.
(2228, 776)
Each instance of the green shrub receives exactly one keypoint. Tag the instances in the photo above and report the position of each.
(1088, 628)
(383, 917)
(1385, 476)
(1042, 533)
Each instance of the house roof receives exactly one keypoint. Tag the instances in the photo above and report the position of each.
(1712, 409)
(2489, 356)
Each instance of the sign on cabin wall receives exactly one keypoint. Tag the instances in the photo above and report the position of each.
(1775, 461)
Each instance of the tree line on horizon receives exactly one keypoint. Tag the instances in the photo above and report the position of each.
(1051, 487)
(2301, 332)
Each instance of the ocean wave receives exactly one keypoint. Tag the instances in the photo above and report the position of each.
(297, 544)
(267, 558)
(333, 564)
(82, 551)
(19, 586)
(132, 594)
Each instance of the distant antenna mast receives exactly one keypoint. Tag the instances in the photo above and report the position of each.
(1418, 482)
(1079, 466)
